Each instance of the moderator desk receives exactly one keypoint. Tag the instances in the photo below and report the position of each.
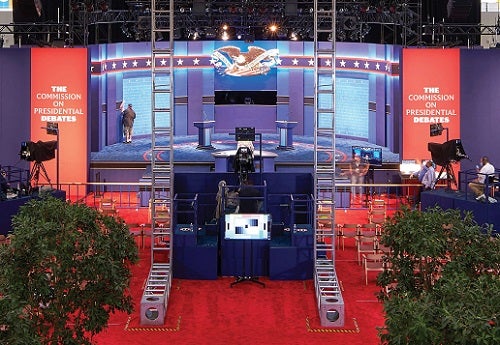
(223, 160)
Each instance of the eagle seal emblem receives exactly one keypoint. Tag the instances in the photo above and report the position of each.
(230, 60)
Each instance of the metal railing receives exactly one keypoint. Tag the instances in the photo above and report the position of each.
(137, 194)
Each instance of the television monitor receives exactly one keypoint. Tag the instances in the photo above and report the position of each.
(436, 129)
(247, 226)
(245, 133)
(372, 155)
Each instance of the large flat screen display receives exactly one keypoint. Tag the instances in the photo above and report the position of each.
(247, 226)
(370, 154)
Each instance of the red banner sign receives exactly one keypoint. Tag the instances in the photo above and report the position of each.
(431, 95)
(59, 81)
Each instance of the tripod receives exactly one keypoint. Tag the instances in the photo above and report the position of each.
(245, 277)
(450, 176)
(37, 169)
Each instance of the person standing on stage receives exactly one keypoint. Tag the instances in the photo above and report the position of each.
(485, 169)
(357, 171)
(429, 175)
(128, 117)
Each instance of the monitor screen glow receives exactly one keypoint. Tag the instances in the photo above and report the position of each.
(370, 154)
(247, 226)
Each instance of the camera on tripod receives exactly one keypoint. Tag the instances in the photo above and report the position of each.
(39, 151)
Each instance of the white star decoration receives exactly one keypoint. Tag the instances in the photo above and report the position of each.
(196, 61)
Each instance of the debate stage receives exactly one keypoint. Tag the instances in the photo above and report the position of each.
(484, 213)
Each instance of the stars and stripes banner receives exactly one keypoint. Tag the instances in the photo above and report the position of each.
(213, 61)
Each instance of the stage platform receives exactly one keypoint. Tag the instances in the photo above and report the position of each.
(185, 150)
(128, 162)
(484, 213)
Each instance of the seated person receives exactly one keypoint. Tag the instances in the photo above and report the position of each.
(250, 198)
(4, 185)
(486, 169)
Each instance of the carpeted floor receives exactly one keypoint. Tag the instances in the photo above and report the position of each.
(185, 150)
(284, 312)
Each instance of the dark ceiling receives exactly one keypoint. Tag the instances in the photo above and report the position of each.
(394, 22)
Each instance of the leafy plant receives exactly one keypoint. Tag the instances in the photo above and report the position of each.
(67, 268)
(442, 285)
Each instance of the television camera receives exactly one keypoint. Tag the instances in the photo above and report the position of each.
(444, 155)
(38, 152)
(244, 160)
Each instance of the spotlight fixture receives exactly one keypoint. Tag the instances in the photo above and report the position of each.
(273, 28)
(224, 36)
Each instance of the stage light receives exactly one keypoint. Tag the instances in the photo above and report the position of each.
(211, 33)
(224, 36)
(294, 36)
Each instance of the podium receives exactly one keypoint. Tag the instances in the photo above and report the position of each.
(285, 131)
(204, 134)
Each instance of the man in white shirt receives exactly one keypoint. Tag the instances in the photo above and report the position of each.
(477, 185)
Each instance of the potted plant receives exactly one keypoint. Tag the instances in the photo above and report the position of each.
(442, 284)
(66, 269)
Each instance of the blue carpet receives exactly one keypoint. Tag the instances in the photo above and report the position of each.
(185, 150)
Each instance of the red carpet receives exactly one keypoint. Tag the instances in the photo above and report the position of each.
(284, 312)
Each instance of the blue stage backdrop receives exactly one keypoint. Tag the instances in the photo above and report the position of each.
(367, 98)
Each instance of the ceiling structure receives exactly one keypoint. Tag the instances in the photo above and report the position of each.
(403, 22)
